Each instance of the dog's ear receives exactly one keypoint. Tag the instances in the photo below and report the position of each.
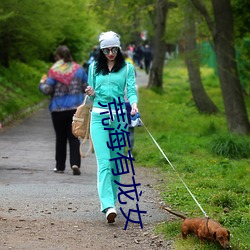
(214, 235)
(228, 237)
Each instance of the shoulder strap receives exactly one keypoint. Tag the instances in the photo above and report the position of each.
(87, 136)
(126, 84)
(90, 149)
(85, 99)
(93, 72)
(85, 139)
(126, 73)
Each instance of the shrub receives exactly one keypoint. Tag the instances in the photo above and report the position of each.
(223, 200)
(231, 146)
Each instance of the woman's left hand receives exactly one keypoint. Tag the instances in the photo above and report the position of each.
(134, 109)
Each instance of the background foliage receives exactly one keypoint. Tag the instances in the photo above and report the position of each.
(214, 165)
(28, 33)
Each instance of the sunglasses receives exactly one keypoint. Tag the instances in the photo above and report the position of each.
(106, 51)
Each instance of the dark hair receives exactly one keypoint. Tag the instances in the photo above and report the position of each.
(64, 53)
(102, 67)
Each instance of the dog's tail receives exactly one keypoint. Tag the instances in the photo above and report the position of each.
(175, 213)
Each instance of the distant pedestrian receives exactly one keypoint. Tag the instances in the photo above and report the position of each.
(65, 84)
(147, 55)
(138, 56)
(93, 55)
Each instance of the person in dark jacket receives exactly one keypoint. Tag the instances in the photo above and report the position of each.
(147, 54)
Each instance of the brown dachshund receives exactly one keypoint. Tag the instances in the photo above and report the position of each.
(204, 229)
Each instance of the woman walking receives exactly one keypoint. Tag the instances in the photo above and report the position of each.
(108, 78)
(65, 84)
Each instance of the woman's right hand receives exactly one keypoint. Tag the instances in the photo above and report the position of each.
(90, 91)
(134, 109)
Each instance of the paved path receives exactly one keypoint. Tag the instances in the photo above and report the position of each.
(141, 78)
(29, 188)
(27, 160)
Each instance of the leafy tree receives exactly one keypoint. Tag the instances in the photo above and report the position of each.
(175, 24)
(126, 17)
(201, 99)
(241, 18)
(156, 72)
(242, 34)
(221, 28)
(28, 33)
(24, 32)
(78, 28)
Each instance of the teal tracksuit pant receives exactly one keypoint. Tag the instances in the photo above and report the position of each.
(106, 187)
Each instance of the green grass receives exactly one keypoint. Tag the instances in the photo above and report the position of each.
(19, 88)
(214, 164)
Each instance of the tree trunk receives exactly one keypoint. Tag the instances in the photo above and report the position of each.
(201, 99)
(159, 47)
(223, 38)
(235, 109)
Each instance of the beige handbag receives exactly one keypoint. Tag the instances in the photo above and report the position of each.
(81, 126)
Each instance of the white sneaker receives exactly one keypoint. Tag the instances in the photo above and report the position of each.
(58, 171)
(131, 155)
(111, 214)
